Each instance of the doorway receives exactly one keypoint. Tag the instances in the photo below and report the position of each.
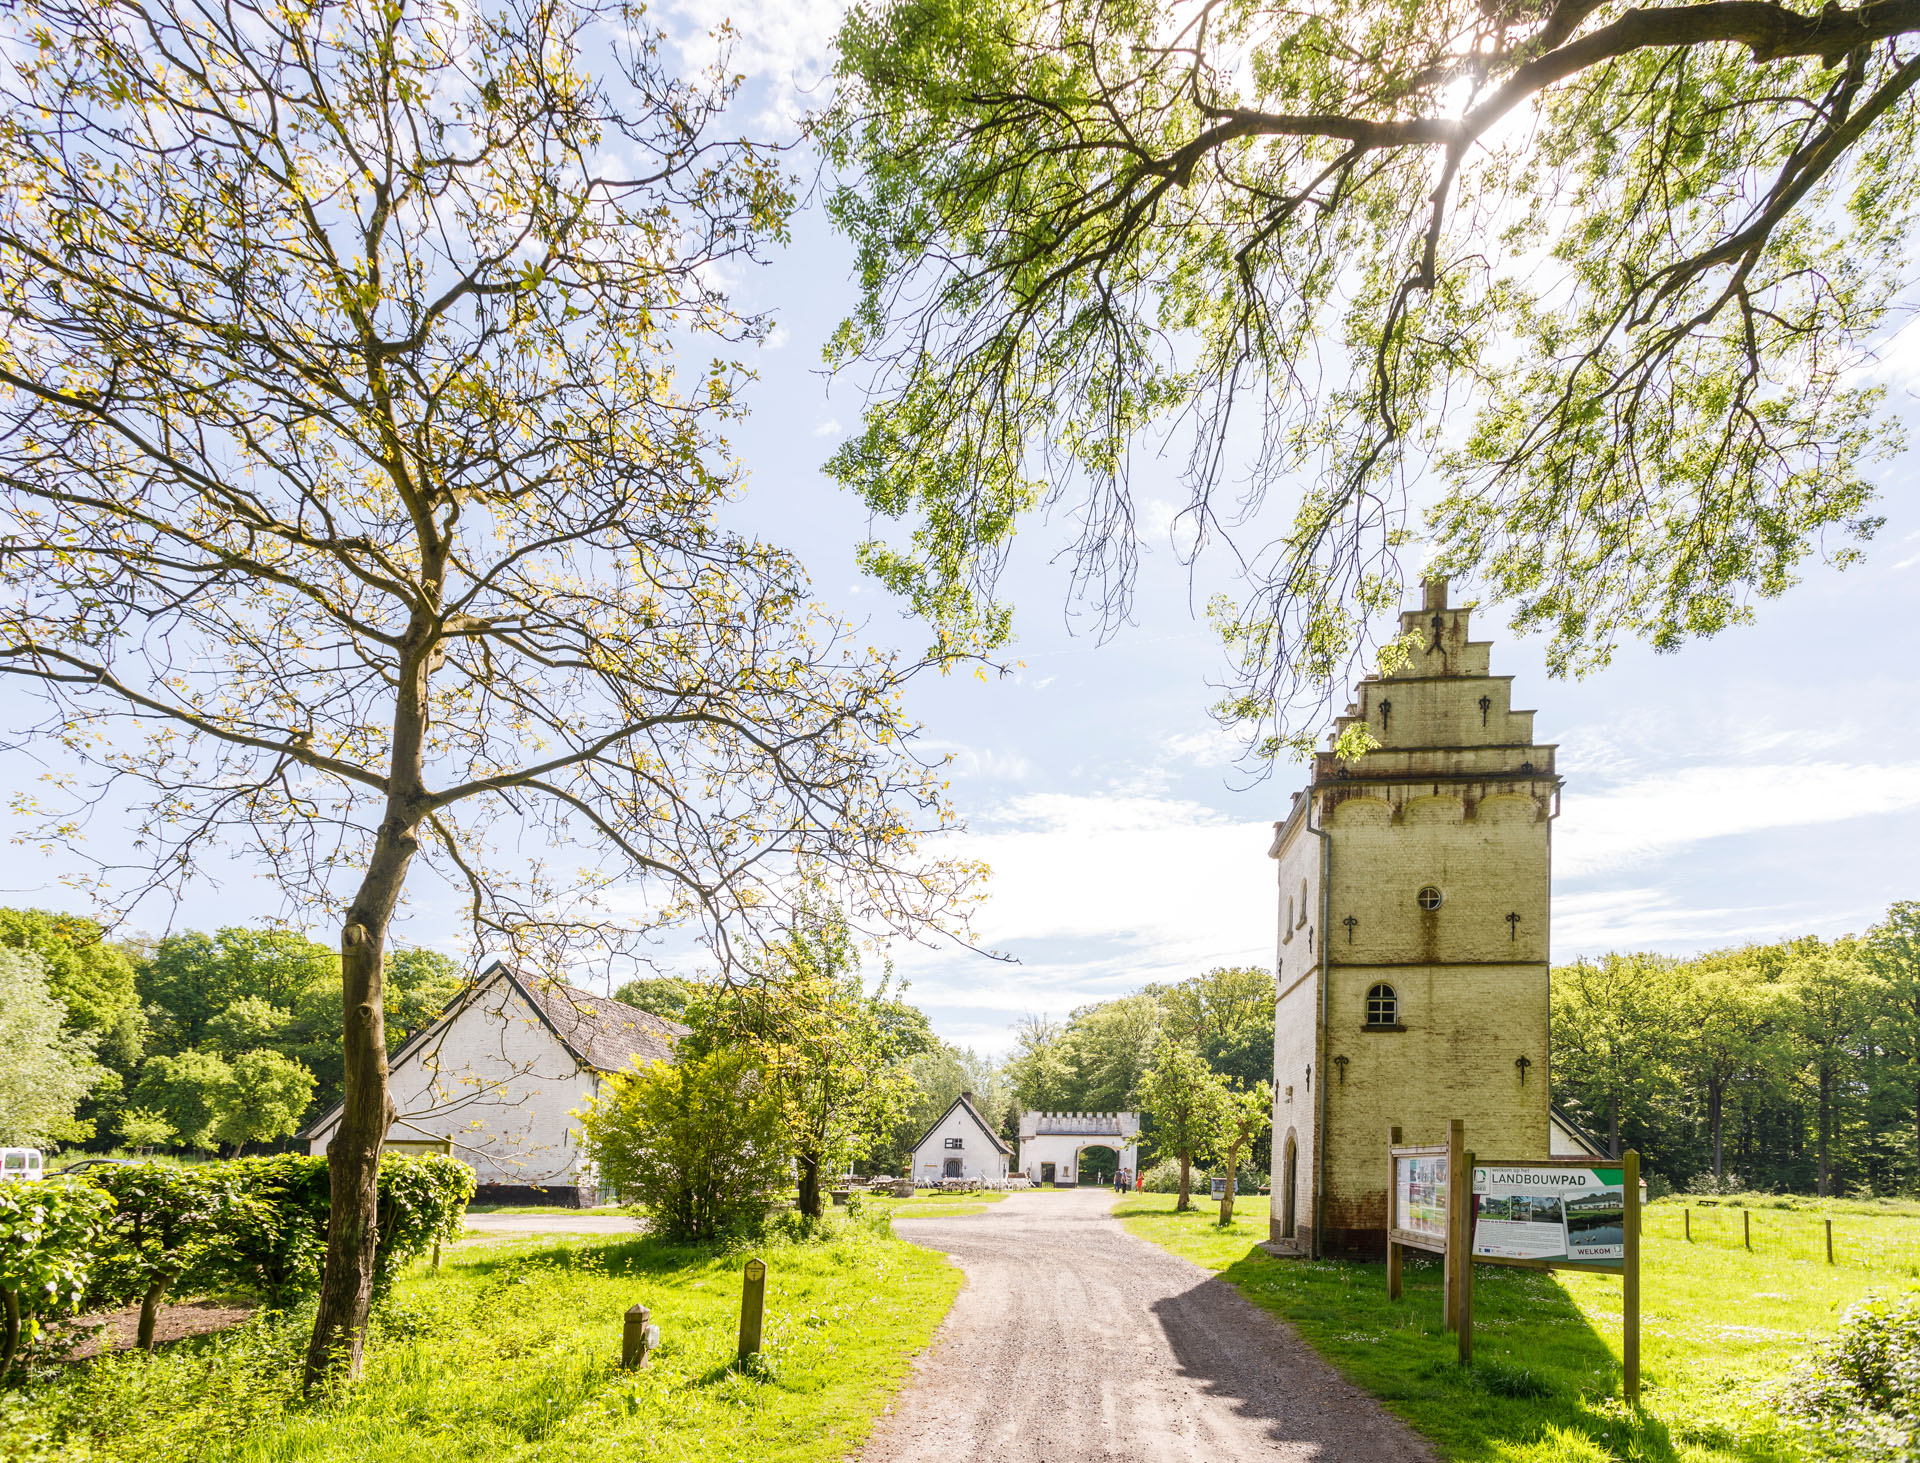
(1046, 1173)
(1291, 1171)
(953, 1168)
(1097, 1165)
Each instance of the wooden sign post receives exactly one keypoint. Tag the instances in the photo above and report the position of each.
(753, 1306)
(1520, 1198)
(1418, 1198)
(1459, 1197)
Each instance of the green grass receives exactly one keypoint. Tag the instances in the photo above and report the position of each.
(934, 1204)
(511, 1352)
(1719, 1330)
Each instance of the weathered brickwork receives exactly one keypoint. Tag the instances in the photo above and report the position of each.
(1424, 997)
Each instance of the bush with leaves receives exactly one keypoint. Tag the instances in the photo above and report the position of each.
(280, 1239)
(701, 1143)
(49, 1235)
(1859, 1394)
(170, 1228)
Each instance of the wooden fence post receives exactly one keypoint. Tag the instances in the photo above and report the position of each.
(1456, 1156)
(1829, 1241)
(1393, 1190)
(1687, 1216)
(753, 1306)
(1630, 1279)
(1466, 1262)
(1746, 1228)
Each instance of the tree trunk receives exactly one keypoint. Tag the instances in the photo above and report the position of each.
(810, 1185)
(1186, 1169)
(1826, 1126)
(1713, 1117)
(150, 1314)
(353, 1157)
(1226, 1199)
(10, 1341)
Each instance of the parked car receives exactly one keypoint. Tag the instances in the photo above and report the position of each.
(21, 1163)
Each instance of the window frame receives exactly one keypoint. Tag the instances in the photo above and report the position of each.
(1375, 1003)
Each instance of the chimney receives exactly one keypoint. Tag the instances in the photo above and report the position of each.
(1435, 593)
(967, 1098)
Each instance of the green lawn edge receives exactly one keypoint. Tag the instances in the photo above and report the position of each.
(510, 1353)
(1720, 1331)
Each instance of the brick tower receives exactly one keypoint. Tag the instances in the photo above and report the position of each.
(1413, 892)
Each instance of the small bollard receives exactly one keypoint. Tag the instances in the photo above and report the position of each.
(753, 1306)
(1686, 1216)
(1829, 1241)
(638, 1338)
(1746, 1229)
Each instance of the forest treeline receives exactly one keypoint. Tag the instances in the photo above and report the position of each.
(192, 1041)
(1792, 1066)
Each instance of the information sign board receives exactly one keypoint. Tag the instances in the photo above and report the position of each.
(1549, 1213)
(1220, 1187)
(1420, 1197)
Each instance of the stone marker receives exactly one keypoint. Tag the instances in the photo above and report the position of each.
(753, 1306)
(637, 1338)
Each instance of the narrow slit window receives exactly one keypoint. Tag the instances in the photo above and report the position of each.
(1383, 1006)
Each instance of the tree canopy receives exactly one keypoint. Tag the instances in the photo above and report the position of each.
(1605, 276)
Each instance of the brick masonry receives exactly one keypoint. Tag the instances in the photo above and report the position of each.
(1458, 798)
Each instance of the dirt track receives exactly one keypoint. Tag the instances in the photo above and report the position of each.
(1073, 1341)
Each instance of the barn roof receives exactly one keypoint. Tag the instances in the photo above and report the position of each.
(605, 1035)
(964, 1100)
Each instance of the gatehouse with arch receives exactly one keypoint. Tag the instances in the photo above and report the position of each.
(1061, 1147)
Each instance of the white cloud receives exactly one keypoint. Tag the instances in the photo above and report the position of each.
(1097, 896)
(1658, 813)
(786, 44)
(777, 337)
(829, 428)
(1210, 747)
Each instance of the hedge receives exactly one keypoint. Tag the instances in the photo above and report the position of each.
(132, 1233)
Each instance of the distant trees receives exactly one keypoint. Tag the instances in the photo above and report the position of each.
(1792, 1066)
(46, 1067)
(1191, 1109)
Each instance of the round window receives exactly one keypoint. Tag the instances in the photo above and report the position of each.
(1428, 898)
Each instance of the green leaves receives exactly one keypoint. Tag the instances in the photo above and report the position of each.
(49, 1231)
(1607, 279)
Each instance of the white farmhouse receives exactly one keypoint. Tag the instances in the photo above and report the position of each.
(1051, 1143)
(498, 1077)
(960, 1145)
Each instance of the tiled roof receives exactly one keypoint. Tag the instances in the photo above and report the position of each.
(606, 1035)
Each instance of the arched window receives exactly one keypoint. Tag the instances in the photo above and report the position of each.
(1383, 1006)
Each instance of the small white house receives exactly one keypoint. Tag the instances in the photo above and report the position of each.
(499, 1075)
(1051, 1142)
(960, 1145)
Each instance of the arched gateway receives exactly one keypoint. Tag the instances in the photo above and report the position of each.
(1051, 1143)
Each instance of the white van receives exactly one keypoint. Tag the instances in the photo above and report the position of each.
(20, 1163)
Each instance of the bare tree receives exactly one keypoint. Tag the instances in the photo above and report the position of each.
(1608, 272)
(354, 509)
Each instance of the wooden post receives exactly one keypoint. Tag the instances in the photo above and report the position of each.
(436, 1254)
(1456, 1154)
(1746, 1228)
(753, 1306)
(1466, 1263)
(1687, 1215)
(633, 1337)
(1630, 1278)
(1393, 1191)
(1829, 1241)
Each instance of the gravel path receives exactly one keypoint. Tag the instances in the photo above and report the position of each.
(1073, 1341)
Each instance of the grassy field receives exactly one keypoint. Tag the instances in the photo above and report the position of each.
(931, 1205)
(1720, 1329)
(511, 1352)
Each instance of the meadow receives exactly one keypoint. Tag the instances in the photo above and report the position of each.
(1721, 1330)
(510, 1351)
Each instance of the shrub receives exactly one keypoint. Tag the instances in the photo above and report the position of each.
(280, 1241)
(49, 1232)
(169, 1227)
(1860, 1392)
(699, 1143)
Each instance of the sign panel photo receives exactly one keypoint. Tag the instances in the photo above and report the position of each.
(1549, 1212)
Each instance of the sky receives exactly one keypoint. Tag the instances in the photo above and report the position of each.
(1762, 784)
